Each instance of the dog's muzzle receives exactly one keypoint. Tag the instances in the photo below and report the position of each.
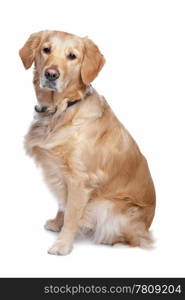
(50, 79)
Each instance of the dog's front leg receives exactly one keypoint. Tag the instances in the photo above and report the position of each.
(57, 223)
(77, 199)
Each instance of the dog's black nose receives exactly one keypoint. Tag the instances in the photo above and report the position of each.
(52, 74)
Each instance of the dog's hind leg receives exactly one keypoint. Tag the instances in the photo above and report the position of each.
(56, 223)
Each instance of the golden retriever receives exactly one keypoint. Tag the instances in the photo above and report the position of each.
(89, 160)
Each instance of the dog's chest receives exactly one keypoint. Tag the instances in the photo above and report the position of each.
(51, 147)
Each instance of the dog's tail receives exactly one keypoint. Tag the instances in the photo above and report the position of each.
(138, 237)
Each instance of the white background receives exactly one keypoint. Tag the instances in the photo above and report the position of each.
(143, 80)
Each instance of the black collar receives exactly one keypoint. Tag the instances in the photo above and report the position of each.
(43, 109)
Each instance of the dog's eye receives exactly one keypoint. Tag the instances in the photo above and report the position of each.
(47, 50)
(71, 56)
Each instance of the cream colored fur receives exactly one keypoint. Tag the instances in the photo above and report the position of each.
(89, 160)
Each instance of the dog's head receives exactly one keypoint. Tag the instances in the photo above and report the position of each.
(61, 59)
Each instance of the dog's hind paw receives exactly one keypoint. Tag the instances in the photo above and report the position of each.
(52, 226)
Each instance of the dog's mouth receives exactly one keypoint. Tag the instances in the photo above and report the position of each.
(49, 85)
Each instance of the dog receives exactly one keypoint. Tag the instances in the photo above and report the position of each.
(89, 160)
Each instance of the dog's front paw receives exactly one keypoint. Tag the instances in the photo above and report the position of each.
(60, 248)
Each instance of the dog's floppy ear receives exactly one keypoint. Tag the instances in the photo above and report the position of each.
(28, 51)
(92, 62)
